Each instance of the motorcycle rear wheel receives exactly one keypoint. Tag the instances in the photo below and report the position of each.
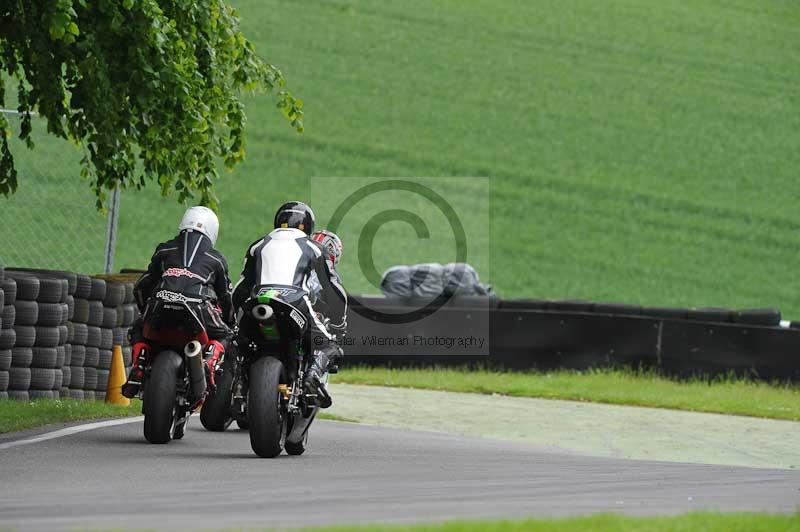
(216, 412)
(159, 397)
(265, 413)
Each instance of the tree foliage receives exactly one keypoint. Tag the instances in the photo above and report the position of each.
(150, 89)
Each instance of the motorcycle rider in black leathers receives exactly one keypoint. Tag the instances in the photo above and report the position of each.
(288, 257)
(189, 269)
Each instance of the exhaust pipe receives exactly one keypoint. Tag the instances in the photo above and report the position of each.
(194, 363)
(262, 312)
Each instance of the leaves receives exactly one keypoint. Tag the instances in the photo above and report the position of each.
(150, 89)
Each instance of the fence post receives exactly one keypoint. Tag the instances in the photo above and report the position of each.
(111, 231)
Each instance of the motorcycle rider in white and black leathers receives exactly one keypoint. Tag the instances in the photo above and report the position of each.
(189, 268)
(288, 257)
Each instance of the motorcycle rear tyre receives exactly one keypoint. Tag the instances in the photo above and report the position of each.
(159, 397)
(216, 412)
(265, 416)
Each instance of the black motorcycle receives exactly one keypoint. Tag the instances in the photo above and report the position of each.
(261, 385)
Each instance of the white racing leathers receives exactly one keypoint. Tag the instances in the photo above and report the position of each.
(287, 257)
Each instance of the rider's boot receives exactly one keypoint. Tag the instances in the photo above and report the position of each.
(238, 401)
(213, 354)
(314, 377)
(336, 359)
(317, 370)
(141, 350)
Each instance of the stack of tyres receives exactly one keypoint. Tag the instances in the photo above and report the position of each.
(94, 339)
(49, 350)
(6, 322)
(26, 314)
(41, 315)
(111, 331)
(65, 367)
(58, 330)
(80, 336)
(52, 364)
(128, 313)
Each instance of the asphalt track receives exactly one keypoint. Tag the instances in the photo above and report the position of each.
(110, 477)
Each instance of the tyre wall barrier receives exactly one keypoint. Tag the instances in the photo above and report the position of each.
(536, 334)
(57, 331)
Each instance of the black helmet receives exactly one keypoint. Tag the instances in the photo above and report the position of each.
(295, 214)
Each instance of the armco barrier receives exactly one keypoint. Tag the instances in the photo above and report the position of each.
(532, 334)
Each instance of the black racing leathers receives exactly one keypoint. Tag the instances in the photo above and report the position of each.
(190, 266)
(287, 257)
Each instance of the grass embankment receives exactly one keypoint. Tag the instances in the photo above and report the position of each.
(639, 152)
(21, 415)
(705, 521)
(725, 395)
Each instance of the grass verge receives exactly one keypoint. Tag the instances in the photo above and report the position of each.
(21, 415)
(728, 395)
(334, 417)
(706, 521)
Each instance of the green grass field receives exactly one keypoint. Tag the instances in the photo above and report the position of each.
(724, 395)
(706, 521)
(637, 151)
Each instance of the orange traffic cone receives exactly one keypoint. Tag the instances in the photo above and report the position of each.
(116, 378)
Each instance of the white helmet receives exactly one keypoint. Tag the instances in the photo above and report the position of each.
(201, 219)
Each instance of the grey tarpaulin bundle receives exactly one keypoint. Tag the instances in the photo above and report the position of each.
(432, 279)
